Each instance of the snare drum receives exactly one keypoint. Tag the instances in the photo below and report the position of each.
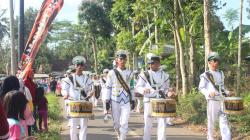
(233, 105)
(80, 109)
(163, 108)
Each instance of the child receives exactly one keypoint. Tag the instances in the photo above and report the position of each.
(14, 103)
(42, 105)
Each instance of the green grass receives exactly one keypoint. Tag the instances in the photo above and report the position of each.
(54, 119)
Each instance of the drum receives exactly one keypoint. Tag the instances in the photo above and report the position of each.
(80, 109)
(163, 108)
(97, 91)
(233, 105)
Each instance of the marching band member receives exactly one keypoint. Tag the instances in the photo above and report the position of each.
(211, 83)
(153, 83)
(78, 87)
(103, 81)
(119, 95)
(97, 87)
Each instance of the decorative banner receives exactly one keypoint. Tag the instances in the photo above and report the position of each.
(46, 15)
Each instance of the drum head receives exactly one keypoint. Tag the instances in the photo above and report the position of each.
(233, 98)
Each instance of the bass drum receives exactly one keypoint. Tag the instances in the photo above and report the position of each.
(80, 109)
(163, 108)
(233, 105)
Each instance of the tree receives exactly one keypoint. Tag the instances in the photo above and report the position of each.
(3, 24)
(248, 9)
(239, 50)
(96, 23)
(231, 16)
(207, 29)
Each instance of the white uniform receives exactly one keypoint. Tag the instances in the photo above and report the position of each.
(214, 105)
(161, 78)
(93, 98)
(74, 94)
(103, 93)
(120, 100)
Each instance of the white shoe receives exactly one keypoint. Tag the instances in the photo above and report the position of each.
(78, 127)
(122, 137)
(169, 123)
(117, 133)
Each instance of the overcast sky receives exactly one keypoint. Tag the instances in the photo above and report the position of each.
(70, 8)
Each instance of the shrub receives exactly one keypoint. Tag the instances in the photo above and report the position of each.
(192, 107)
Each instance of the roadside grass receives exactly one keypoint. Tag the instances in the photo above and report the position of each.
(54, 119)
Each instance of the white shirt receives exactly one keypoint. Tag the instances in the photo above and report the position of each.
(70, 88)
(206, 87)
(115, 91)
(161, 80)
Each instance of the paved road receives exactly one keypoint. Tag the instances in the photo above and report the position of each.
(97, 129)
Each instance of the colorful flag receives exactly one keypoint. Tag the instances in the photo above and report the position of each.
(46, 15)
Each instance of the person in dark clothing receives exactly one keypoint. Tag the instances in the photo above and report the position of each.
(9, 83)
(28, 82)
(42, 108)
(53, 84)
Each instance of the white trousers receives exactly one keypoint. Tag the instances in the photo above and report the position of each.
(139, 104)
(213, 113)
(120, 114)
(148, 124)
(83, 122)
(94, 101)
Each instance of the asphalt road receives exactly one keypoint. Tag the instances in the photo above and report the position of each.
(100, 130)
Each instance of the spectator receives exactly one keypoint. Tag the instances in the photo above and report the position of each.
(42, 105)
(28, 82)
(4, 127)
(52, 85)
(14, 103)
(9, 83)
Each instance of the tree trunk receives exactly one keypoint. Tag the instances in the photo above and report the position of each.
(207, 30)
(191, 59)
(182, 65)
(177, 63)
(95, 53)
(155, 18)
(13, 50)
(239, 50)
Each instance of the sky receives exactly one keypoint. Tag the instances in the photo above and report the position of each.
(70, 8)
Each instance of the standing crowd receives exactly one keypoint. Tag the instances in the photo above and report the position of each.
(21, 101)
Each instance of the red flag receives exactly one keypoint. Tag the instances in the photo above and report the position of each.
(46, 15)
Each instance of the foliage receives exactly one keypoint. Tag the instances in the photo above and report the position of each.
(3, 24)
(243, 120)
(248, 9)
(231, 16)
(192, 107)
(54, 119)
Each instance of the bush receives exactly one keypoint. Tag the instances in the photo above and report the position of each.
(240, 123)
(192, 107)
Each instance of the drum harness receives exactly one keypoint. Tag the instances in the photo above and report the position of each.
(155, 86)
(78, 87)
(221, 91)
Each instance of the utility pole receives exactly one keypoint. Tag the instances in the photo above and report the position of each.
(21, 30)
(13, 50)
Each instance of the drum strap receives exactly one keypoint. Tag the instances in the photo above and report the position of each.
(123, 83)
(211, 79)
(78, 85)
(146, 73)
(104, 81)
